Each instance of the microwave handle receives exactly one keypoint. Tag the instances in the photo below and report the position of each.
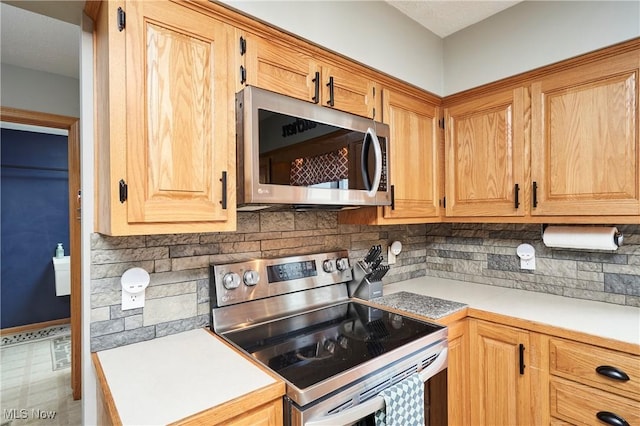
(369, 137)
(376, 403)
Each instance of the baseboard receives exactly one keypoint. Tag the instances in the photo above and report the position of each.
(36, 326)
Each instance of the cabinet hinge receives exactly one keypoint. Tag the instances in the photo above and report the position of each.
(124, 190)
(243, 46)
(243, 74)
(122, 19)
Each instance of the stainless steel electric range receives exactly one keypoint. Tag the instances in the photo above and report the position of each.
(335, 353)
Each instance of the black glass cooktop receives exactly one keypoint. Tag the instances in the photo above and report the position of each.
(308, 348)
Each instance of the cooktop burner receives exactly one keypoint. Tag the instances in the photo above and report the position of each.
(311, 347)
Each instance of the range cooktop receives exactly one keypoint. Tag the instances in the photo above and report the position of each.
(311, 347)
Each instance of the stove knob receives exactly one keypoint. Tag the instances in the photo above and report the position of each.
(343, 263)
(329, 346)
(231, 280)
(343, 341)
(329, 265)
(251, 277)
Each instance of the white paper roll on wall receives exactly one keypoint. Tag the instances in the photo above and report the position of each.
(582, 237)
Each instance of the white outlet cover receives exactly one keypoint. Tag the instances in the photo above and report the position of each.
(134, 281)
(527, 255)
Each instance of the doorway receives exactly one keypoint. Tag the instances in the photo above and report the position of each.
(71, 124)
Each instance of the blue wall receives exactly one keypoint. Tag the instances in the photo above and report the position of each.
(35, 217)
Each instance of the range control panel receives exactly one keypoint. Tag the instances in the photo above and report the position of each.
(259, 278)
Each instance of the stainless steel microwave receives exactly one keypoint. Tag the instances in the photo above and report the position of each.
(295, 153)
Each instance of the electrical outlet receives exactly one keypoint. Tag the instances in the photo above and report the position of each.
(527, 255)
(134, 281)
(132, 301)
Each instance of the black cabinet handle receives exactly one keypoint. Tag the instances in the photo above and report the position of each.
(521, 349)
(330, 86)
(223, 179)
(393, 197)
(517, 195)
(611, 418)
(316, 81)
(535, 194)
(612, 373)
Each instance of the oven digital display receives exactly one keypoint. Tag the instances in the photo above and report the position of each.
(291, 271)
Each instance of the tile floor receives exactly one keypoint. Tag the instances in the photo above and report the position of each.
(32, 392)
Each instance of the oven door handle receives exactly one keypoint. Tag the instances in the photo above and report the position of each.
(376, 403)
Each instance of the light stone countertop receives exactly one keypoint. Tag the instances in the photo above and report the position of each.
(427, 306)
(606, 320)
(167, 379)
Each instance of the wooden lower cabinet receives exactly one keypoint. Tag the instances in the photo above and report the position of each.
(580, 404)
(269, 414)
(458, 398)
(500, 387)
(592, 385)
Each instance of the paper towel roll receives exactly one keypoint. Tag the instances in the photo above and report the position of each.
(581, 237)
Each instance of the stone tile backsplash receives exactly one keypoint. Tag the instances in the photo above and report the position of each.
(177, 298)
(486, 254)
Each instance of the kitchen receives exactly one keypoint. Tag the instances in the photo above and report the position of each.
(180, 261)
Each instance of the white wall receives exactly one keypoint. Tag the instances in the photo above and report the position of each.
(371, 32)
(532, 34)
(89, 385)
(39, 91)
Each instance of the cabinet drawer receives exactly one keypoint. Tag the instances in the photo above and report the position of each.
(581, 404)
(577, 361)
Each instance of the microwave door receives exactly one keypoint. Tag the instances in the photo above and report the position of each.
(298, 153)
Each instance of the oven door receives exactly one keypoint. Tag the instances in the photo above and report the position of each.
(358, 404)
(295, 152)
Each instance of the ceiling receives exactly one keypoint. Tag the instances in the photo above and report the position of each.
(31, 40)
(445, 17)
(51, 43)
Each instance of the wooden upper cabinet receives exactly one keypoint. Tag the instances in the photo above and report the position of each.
(176, 157)
(280, 69)
(484, 152)
(289, 71)
(584, 146)
(415, 169)
(414, 153)
(346, 90)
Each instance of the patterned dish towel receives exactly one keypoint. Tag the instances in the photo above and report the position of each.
(404, 404)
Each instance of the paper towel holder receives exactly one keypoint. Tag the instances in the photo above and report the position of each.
(618, 237)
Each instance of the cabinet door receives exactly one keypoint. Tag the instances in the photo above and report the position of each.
(584, 145)
(351, 92)
(281, 69)
(500, 392)
(458, 397)
(178, 130)
(484, 149)
(414, 156)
